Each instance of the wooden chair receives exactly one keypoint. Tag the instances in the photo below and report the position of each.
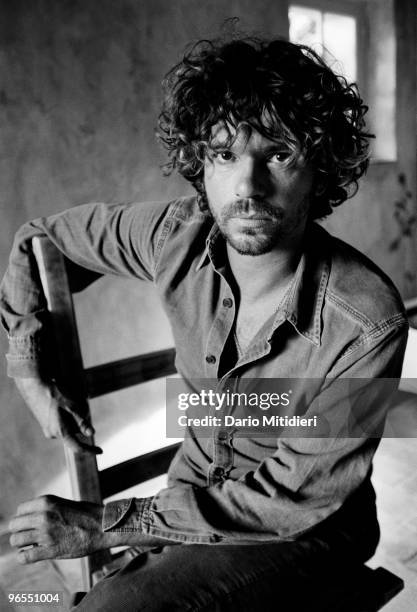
(364, 590)
(87, 482)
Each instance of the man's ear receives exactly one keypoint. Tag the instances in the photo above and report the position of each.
(201, 197)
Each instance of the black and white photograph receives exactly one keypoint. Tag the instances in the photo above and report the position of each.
(208, 300)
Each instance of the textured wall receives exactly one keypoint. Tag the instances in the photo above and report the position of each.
(367, 221)
(79, 98)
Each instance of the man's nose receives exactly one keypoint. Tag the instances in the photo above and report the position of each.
(252, 180)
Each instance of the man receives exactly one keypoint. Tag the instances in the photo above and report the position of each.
(271, 139)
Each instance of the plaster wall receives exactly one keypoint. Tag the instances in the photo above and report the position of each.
(79, 100)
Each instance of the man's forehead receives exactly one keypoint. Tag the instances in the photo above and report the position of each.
(224, 133)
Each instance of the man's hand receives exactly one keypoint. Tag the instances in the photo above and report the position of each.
(57, 415)
(56, 528)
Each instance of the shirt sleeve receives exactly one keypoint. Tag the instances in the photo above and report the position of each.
(120, 239)
(303, 483)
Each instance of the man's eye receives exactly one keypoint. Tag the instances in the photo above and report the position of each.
(224, 156)
(280, 156)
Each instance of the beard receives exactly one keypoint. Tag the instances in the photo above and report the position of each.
(252, 226)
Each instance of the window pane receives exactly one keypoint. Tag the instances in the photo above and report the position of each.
(306, 27)
(339, 38)
(331, 35)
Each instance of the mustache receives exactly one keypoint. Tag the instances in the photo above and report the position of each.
(248, 207)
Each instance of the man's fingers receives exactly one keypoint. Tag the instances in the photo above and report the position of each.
(85, 426)
(76, 409)
(26, 521)
(87, 429)
(36, 505)
(72, 442)
(33, 554)
(24, 538)
(70, 432)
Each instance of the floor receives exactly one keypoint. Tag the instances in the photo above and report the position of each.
(395, 480)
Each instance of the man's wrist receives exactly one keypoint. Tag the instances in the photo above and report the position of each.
(116, 513)
(25, 356)
(126, 522)
(99, 539)
(127, 515)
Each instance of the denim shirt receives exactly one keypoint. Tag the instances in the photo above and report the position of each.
(342, 318)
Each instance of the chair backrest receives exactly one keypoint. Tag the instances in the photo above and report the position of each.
(87, 482)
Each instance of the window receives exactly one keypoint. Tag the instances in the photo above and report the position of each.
(332, 35)
(357, 40)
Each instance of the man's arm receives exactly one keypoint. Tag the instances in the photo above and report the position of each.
(49, 527)
(117, 239)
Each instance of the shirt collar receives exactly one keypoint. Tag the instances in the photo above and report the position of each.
(303, 304)
(210, 246)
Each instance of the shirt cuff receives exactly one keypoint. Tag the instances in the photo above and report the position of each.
(24, 357)
(128, 515)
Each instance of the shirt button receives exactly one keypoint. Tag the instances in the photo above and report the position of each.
(227, 303)
(218, 471)
(210, 359)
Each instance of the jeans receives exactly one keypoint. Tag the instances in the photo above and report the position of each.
(285, 576)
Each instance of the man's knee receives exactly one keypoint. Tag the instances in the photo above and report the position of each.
(152, 582)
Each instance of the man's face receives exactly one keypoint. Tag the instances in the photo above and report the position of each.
(259, 199)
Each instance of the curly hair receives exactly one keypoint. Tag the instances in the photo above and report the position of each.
(284, 91)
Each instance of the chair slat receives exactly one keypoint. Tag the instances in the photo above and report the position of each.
(69, 374)
(68, 363)
(135, 471)
(411, 306)
(124, 373)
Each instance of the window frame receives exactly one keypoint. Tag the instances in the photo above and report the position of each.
(350, 8)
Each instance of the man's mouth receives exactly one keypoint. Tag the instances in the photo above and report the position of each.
(252, 217)
(252, 210)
